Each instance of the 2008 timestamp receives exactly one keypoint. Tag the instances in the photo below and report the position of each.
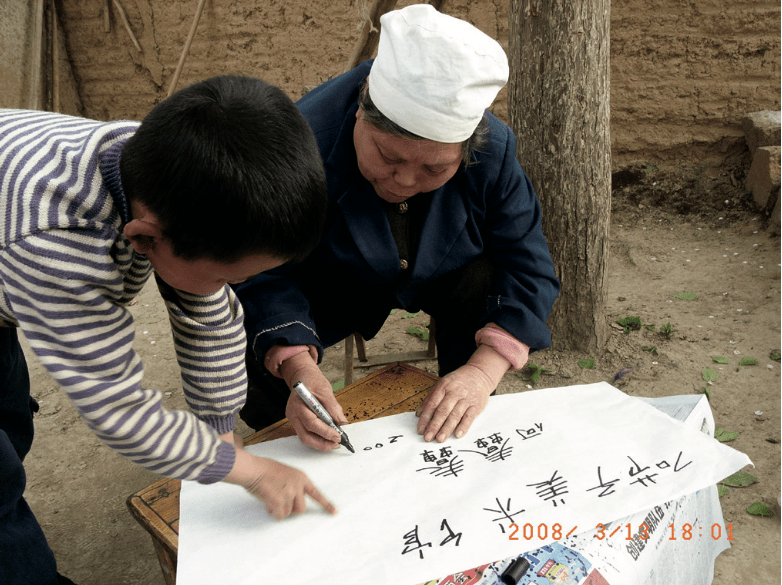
(557, 532)
(541, 531)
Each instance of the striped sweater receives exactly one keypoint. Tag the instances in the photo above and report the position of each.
(66, 274)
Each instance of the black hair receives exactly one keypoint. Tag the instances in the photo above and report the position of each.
(230, 167)
(380, 121)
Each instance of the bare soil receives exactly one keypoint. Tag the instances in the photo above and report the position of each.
(674, 230)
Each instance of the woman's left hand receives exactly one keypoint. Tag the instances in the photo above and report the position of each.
(454, 403)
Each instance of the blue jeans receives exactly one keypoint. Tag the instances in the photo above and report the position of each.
(25, 556)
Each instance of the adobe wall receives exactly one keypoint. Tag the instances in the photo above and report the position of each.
(682, 73)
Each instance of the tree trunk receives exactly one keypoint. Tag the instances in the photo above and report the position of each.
(558, 101)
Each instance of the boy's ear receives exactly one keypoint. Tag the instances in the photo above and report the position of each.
(143, 233)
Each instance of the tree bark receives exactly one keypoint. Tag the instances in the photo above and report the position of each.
(558, 102)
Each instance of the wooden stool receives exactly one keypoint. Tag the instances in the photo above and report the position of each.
(365, 361)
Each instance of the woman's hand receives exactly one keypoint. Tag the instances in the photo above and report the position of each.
(312, 431)
(454, 403)
(458, 398)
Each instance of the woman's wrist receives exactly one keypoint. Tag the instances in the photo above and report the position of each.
(491, 363)
(291, 370)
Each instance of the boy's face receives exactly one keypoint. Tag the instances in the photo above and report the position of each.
(199, 277)
(203, 277)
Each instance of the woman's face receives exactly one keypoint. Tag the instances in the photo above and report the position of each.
(398, 167)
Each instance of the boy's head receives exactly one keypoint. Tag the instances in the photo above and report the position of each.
(229, 168)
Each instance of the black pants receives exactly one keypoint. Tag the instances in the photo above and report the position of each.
(25, 557)
(457, 302)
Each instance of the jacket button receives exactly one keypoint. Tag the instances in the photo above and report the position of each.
(403, 264)
(401, 207)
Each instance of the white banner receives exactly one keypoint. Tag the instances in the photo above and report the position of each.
(561, 460)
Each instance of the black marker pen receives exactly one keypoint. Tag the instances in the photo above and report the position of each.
(316, 407)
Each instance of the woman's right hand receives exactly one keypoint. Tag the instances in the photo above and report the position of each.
(312, 431)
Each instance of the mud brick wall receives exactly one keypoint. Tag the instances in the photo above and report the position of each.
(682, 73)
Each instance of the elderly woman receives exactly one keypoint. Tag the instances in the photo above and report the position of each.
(428, 210)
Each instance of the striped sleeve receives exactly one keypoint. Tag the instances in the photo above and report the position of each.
(210, 344)
(61, 286)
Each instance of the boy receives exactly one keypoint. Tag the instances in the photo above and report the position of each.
(220, 181)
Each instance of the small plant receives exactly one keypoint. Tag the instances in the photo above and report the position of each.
(418, 332)
(758, 509)
(410, 315)
(651, 349)
(666, 331)
(775, 355)
(535, 372)
(710, 375)
(337, 386)
(686, 296)
(650, 327)
(739, 480)
(748, 361)
(630, 323)
(719, 359)
(707, 392)
(724, 436)
(722, 490)
(587, 364)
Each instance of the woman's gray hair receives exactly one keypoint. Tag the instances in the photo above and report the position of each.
(380, 121)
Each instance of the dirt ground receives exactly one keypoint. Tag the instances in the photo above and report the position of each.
(673, 231)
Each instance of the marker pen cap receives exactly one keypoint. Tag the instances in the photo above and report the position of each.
(515, 571)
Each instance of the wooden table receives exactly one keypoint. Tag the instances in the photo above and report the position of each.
(392, 390)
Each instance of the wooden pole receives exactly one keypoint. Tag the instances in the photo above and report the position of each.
(370, 33)
(106, 16)
(348, 360)
(124, 18)
(55, 60)
(186, 48)
(34, 99)
(47, 57)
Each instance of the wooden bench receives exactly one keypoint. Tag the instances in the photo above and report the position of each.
(392, 390)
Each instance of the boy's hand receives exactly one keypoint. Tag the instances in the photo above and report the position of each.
(283, 489)
(231, 437)
(312, 431)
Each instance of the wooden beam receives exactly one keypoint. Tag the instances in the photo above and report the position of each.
(189, 40)
(34, 97)
(55, 60)
(370, 33)
(106, 16)
(125, 21)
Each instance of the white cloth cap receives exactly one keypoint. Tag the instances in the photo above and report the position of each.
(434, 74)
